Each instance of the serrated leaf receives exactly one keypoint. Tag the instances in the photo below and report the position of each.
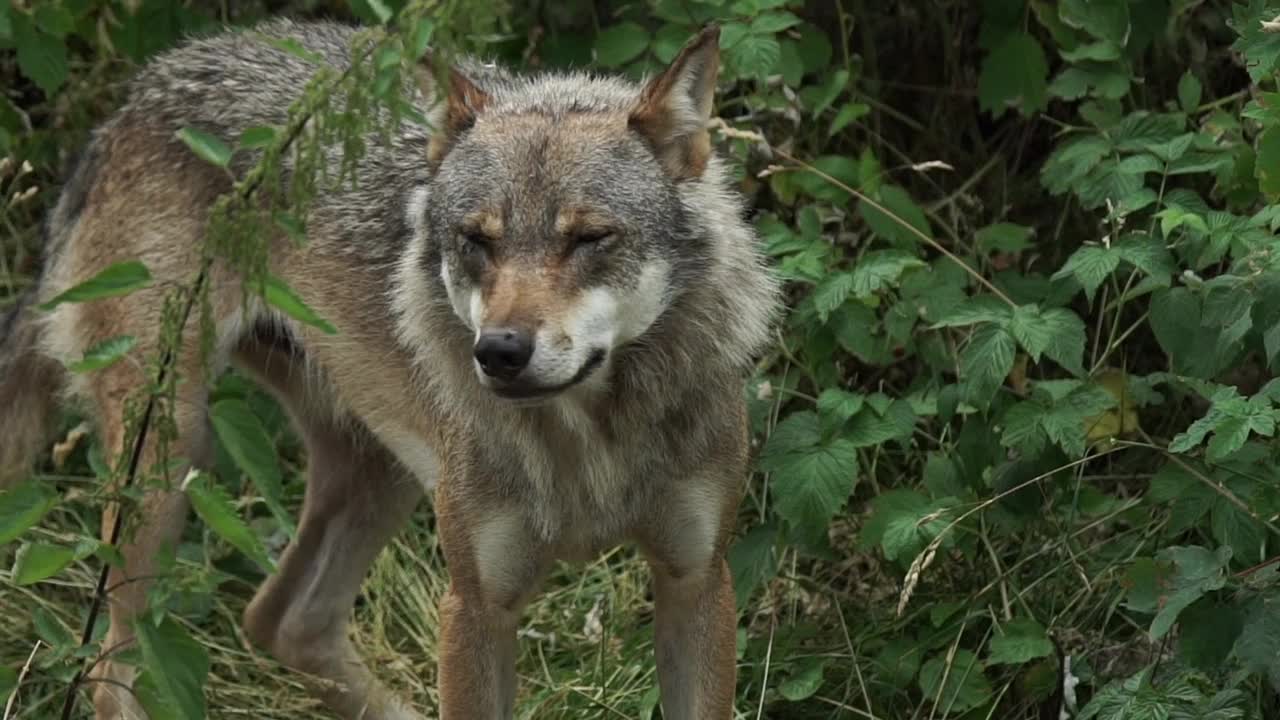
(753, 561)
(23, 506)
(1267, 167)
(974, 310)
(840, 404)
(278, 293)
(811, 486)
(212, 503)
(1090, 265)
(804, 682)
(175, 669)
(1016, 74)
(831, 293)
(1023, 640)
(774, 22)
(1003, 237)
(873, 428)
(248, 444)
(880, 269)
(966, 685)
(619, 44)
(1107, 19)
(986, 362)
(1197, 571)
(756, 55)
(103, 354)
(906, 214)
(1066, 339)
(118, 279)
(207, 147)
(1256, 646)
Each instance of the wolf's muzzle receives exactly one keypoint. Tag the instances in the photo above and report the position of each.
(503, 354)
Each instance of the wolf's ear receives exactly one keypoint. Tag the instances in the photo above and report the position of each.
(674, 108)
(463, 100)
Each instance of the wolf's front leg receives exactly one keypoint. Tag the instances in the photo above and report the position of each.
(695, 621)
(494, 565)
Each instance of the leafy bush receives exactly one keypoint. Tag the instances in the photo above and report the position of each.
(1017, 435)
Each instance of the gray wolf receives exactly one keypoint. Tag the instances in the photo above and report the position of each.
(548, 300)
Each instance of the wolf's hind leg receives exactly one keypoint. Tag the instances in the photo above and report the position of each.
(357, 498)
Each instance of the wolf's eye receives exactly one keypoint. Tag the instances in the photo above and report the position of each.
(474, 243)
(592, 239)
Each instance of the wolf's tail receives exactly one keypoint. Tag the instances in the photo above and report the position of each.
(30, 383)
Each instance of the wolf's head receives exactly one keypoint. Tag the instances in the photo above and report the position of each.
(555, 207)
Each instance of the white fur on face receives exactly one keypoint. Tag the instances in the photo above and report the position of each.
(468, 305)
(602, 318)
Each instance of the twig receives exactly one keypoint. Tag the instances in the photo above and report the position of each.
(26, 667)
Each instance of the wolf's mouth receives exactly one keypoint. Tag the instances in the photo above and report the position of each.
(529, 392)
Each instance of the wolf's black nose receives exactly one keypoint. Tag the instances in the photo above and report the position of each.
(503, 354)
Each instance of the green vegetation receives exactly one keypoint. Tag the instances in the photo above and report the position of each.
(1018, 425)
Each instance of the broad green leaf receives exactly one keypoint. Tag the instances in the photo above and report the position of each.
(812, 485)
(966, 685)
(774, 22)
(279, 294)
(257, 136)
(8, 683)
(986, 362)
(41, 56)
(175, 669)
(756, 56)
(1260, 49)
(880, 269)
(753, 561)
(619, 44)
(1003, 237)
(212, 503)
(246, 440)
(23, 506)
(974, 310)
(1256, 646)
(207, 147)
(896, 228)
(1016, 74)
(1267, 167)
(1106, 19)
(842, 169)
(1090, 265)
(103, 354)
(840, 404)
(832, 292)
(1066, 339)
(873, 427)
(1030, 330)
(1148, 255)
(38, 561)
(805, 681)
(1024, 639)
(1197, 572)
(118, 279)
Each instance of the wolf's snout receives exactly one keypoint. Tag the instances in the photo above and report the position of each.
(502, 354)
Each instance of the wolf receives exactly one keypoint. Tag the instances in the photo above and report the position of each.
(548, 298)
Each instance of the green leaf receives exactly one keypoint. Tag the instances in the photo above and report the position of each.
(1090, 265)
(212, 503)
(811, 479)
(1066, 339)
(23, 506)
(1016, 74)
(206, 146)
(278, 293)
(1267, 167)
(1261, 49)
(974, 310)
(1024, 639)
(831, 293)
(839, 168)
(8, 675)
(41, 57)
(175, 669)
(774, 22)
(118, 279)
(880, 269)
(248, 444)
(1003, 237)
(257, 136)
(1198, 571)
(840, 404)
(986, 362)
(896, 228)
(103, 354)
(38, 561)
(753, 561)
(619, 44)
(805, 681)
(1105, 19)
(966, 685)
(1256, 646)
(756, 56)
